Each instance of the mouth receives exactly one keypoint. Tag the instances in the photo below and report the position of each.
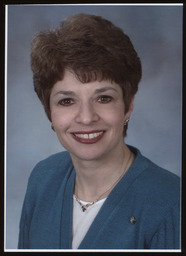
(88, 137)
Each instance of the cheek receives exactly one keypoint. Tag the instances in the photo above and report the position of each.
(60, 119)
(115, 116)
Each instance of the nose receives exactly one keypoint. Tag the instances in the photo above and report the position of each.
(86, 114)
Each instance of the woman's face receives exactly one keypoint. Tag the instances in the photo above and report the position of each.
(88, 118)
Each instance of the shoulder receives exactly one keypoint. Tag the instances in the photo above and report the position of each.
(155, 183)
(162, 185)
(56, 160)
(53, 167)
(163, 181)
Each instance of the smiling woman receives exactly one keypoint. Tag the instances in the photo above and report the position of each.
(90, 113)
(100, 193)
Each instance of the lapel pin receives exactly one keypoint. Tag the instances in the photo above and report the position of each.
(132, 220)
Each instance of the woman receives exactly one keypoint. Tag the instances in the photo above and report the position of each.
(100, 193)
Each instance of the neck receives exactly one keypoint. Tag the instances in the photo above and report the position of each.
(93, 178)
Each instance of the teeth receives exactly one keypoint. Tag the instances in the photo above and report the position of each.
(89, 136)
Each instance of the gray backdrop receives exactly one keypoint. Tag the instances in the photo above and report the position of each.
(155, 126)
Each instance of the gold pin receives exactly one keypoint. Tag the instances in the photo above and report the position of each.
(132, 220)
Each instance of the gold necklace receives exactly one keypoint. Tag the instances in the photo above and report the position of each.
(85, 206)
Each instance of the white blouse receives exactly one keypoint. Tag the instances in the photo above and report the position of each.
(83, 220)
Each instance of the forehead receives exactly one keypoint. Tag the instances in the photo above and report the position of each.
(71, 83)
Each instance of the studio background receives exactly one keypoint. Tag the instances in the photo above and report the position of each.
(156, 122)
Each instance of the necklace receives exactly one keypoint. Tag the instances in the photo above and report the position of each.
(85, 206)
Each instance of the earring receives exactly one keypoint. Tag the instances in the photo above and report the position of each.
(126, 121)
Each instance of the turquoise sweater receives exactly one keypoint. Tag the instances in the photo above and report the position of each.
(142, 211)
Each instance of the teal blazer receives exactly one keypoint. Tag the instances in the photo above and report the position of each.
(141, 212)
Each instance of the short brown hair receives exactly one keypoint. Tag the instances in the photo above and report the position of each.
(90, 46)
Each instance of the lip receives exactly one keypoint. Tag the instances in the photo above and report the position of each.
(91, 138)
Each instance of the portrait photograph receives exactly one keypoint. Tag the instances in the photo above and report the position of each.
(93, 127)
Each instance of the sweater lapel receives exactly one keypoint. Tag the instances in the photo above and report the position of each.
(66, 214)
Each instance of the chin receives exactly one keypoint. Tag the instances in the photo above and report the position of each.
(87, 155)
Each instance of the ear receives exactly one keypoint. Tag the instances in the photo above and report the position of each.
(131, 106)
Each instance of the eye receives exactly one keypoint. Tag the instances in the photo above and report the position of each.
(66, 102)
(104, 99)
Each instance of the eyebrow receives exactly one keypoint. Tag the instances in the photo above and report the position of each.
(68, 93)
(104, 89)
(100, 90)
